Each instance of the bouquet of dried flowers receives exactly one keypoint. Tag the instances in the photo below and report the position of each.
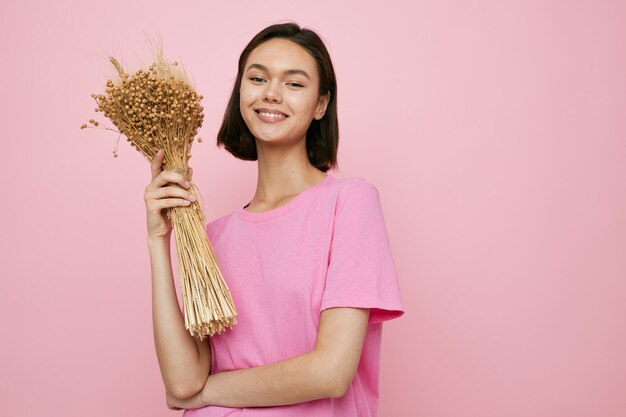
(157, 109)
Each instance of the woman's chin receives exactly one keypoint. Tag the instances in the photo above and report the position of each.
(273, 138)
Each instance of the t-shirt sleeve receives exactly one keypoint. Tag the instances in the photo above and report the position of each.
(361, 271)
(213, 227)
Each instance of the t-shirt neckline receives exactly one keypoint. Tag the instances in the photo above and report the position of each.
(260, 216)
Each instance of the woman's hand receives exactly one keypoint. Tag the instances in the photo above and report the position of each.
(159, 196)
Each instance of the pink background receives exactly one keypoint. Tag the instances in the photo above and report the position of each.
(495, 132)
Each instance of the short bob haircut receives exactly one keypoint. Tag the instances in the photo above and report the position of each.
(322, 136)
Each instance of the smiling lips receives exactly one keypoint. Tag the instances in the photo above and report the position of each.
(270, 116)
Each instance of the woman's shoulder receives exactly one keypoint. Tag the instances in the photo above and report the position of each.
(346, 183)
(347, 186)
(214, 226)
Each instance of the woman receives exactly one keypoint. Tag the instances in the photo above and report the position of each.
(307, 260)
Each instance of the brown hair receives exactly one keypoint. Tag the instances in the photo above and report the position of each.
(322, 136)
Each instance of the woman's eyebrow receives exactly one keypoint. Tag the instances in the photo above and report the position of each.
(289, 71)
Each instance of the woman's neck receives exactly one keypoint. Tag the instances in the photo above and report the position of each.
(282, 174)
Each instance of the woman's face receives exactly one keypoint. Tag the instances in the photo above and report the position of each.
(278, 97)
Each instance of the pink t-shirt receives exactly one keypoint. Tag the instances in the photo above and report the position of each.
(327, 247)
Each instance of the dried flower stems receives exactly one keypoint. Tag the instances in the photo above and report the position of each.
(206, 298)
(158, 109)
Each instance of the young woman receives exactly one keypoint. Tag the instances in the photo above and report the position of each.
(307, 260)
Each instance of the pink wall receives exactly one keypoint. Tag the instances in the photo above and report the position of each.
(495, 132)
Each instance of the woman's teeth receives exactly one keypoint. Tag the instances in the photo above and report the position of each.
(271, 114)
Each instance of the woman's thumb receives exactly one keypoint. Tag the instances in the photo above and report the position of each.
(156, 163)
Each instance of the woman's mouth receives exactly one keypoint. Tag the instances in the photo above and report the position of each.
(270, 117)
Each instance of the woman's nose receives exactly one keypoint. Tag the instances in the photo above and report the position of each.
(271, 95)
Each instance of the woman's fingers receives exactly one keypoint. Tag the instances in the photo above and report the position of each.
(161, 194)
(156, 164)
(165, 177)
(161, 177)
(165, 192)
(165, 197)
(155, 206)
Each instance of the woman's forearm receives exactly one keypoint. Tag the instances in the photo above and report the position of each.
(306, 377)
(183, 360)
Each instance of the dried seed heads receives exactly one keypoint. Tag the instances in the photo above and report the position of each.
(154, 108)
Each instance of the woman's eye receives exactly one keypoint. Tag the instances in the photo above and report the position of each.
(256, 79)
(296, 84)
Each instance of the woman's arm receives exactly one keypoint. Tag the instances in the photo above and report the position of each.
(325, 372)
(184, 361)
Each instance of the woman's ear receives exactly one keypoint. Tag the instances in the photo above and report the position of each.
(322, 103)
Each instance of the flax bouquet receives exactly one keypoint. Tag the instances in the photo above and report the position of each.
(157, 109)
